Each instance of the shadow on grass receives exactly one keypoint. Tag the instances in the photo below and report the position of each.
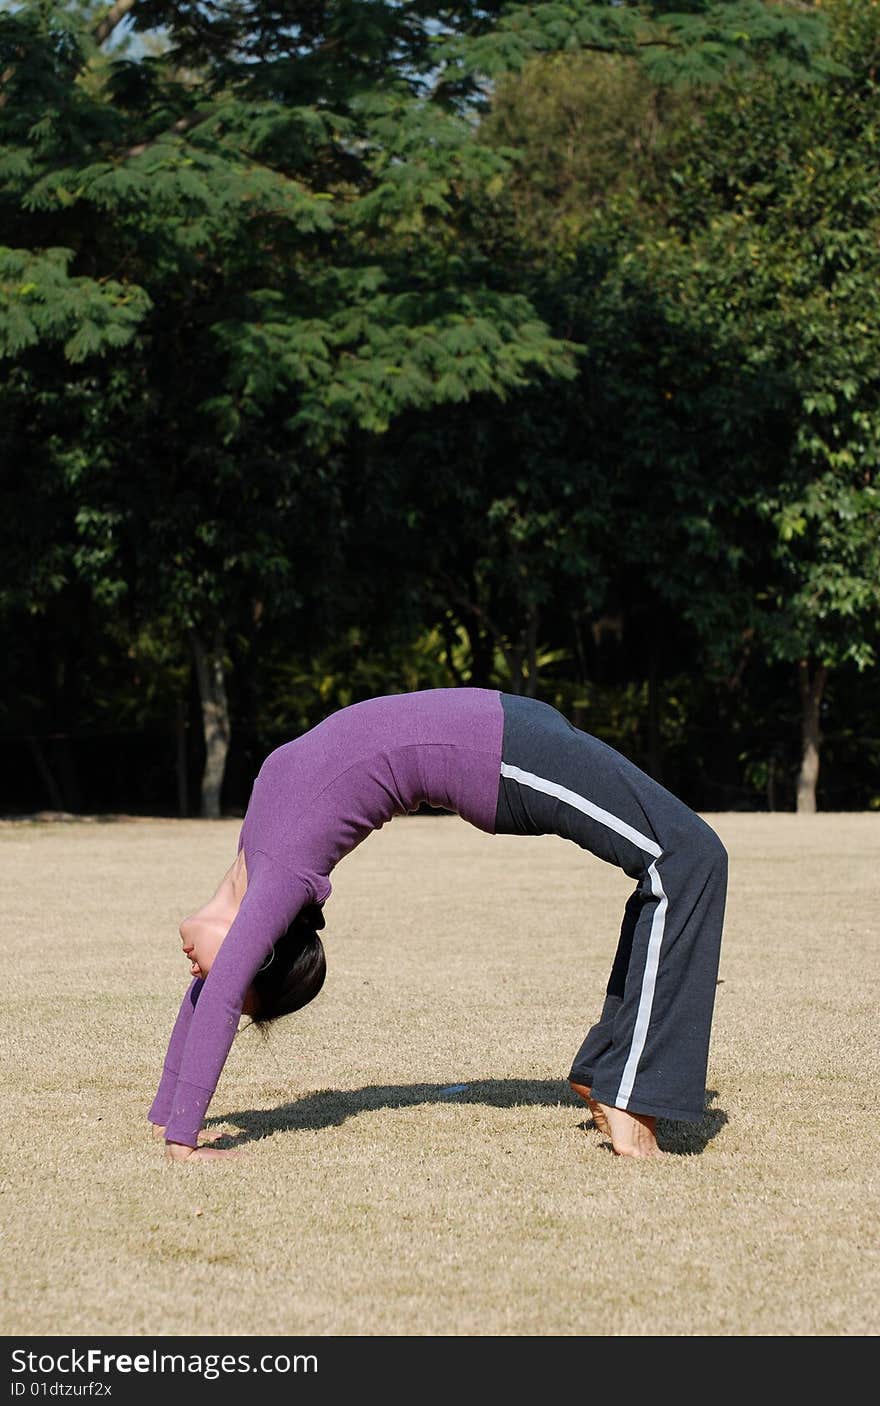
(328, 1108)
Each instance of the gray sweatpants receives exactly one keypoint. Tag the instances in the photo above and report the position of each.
(649, 1050)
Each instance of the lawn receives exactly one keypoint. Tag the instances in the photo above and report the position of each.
(373, 1196)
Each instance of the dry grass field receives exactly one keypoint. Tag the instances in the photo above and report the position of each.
(369, 1199)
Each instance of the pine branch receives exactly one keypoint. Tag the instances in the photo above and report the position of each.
(178, 129)
(113, 17)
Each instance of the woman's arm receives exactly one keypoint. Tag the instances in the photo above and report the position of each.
(160, 1109)
(273, 898)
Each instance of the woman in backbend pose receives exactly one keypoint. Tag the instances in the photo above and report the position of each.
(508, 765)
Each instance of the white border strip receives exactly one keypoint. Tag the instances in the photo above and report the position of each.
(655, 941)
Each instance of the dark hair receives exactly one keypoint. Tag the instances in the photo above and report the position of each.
(296, 971)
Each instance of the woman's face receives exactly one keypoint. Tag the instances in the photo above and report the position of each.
(202, 937)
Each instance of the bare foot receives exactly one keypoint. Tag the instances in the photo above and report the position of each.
(632, 1134)
(596, 1109)
(179, 1152)
(207, 1135)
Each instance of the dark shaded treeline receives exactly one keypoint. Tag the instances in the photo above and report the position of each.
(332, 370)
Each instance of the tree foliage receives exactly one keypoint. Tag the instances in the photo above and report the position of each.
(541, 337)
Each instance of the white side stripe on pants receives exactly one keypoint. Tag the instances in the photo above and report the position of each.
(655, 941)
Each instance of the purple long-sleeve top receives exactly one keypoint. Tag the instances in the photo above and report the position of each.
(313, 801)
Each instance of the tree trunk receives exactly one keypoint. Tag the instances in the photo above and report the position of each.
(771, 783)
(114, 15)
(66, 764)
(449, 642)
(56, 800)
(531, 654)
(655, 763)
(180, 760)
(811, 690)
(215, 718)
(482, 649)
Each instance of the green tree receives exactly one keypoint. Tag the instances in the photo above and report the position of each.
(528, 544)
(721, 244)
(777, 245)
(264, 216)
(252, 235)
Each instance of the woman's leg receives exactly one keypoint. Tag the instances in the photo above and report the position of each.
(600, 1036)
(655, 1061)
(648, 1054)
